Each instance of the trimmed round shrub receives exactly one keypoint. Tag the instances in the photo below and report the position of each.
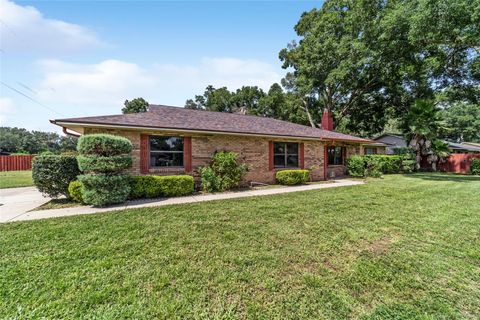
(292, 177)
(356, 166)
(103, 145)
(103, 189)
(161, 186)
(75, 191)
(104, 164)
(176, 186)
(142, 187)
(53, 173)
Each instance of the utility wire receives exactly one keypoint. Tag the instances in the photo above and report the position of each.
(31, 99)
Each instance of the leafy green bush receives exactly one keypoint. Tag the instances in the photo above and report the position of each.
(356, 166)
(292, 177)
(75, 191)
(161, 186)
(223, 173)
(103, 159)
(475, 166)
(106, 145)
(375, 165)
(104, 164)
(101, 189)
(52, 174)
(384, 163)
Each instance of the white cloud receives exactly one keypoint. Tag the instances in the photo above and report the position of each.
(6, 107)
(108, 83)
(24, 28)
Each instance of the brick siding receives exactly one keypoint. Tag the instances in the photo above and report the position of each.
(253, 151)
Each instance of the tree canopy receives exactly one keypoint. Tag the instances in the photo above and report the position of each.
(136, 105)
(19, 140)
(368, 59)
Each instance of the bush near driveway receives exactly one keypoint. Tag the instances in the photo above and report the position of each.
(103, 158)
(161, 186)
(292, 177)
(53, 173)
(75, 191)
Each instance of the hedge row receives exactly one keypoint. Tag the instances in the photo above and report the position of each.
(375, 165)
(475, 166)
(292, 177)
(161, 186)
(139, 187)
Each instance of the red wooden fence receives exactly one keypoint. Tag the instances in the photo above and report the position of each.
(458, 162)
(16, 163)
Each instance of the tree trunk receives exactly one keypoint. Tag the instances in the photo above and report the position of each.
(305, 105)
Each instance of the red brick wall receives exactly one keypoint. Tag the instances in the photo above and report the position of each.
(253, 151)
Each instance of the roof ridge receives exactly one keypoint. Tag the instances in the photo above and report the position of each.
(237, 115)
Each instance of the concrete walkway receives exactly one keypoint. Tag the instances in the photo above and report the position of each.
(52, 213)
(17, 201)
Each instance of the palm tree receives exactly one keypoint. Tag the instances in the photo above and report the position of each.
(421, 126)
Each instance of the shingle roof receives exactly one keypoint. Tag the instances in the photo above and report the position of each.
(177, 118)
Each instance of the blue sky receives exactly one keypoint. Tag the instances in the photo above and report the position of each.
(85, 58)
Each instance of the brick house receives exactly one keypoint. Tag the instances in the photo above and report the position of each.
(171, 140)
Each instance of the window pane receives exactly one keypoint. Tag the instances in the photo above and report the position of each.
(158, 143)
(292, 161)
(335, 155)
(279, 148)
(292, 148)
(162, 159)
(279, 161)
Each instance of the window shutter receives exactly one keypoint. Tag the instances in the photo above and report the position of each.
(270, 155)
(144, 165)
(301, 156)
(187, 154)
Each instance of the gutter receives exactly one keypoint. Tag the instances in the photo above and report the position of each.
(69, 133)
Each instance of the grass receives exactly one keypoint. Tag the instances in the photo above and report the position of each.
(402, 247)
(14, 179)
(58, 204)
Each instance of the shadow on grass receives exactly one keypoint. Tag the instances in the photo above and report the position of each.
(434, 176)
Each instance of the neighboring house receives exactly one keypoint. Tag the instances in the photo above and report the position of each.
(172, 140)
(392, 142)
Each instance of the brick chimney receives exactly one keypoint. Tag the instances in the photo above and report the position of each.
(327, 120)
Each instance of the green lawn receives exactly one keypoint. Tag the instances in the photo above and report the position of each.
(402, 247)
(13, 179)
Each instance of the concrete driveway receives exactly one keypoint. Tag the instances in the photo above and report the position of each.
(16, 201)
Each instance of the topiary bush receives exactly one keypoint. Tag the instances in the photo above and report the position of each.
(292, 177)
(75, 191)
(161, 186)
(223, 173)
(106, 145)
(475, 166)
(101, 189)
(53, 173)
(103, 159)
(104, 164)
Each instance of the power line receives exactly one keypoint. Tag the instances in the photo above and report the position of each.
(31, 99)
